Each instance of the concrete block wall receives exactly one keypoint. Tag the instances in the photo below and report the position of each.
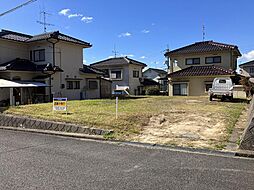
(28, 123)
(247, 141)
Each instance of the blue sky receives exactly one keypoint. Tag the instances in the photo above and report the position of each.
(140, 29)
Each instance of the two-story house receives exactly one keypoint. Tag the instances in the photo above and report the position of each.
(158, 75)
(124, 72)
(247, 69)
(193, 67)
(34, 68)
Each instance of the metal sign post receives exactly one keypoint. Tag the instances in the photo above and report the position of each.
(116, 107)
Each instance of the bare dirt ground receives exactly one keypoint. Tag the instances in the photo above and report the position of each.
(185, 128)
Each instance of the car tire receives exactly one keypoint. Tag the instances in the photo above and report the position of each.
(211, 98)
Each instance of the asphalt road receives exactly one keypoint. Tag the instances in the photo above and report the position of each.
(34, 161)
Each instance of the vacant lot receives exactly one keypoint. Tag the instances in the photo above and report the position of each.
(184, 121)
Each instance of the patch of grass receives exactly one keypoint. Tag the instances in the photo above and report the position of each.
(135, 114)
(232, 115)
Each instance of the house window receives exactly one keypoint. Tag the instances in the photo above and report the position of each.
(180, 89)
(69, 85)
(116, 74)
(39, 55)
(73, 85)
(93, 85)
(135, 74)
(192, 61)
(210, 60)
(251, 69)
(76, 84)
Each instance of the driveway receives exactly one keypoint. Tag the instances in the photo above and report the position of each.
(34, 161)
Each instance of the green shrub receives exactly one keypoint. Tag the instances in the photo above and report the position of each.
(154, 90)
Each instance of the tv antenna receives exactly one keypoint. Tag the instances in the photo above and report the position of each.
(203, 32)
(44, 22)
(114, 51)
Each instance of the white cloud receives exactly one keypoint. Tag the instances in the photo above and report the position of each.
(143, 57)
(64, 12)
(249, 56)
(84, 61)
(145, 31)
(87, 19)
(74, 15)
(126, 34)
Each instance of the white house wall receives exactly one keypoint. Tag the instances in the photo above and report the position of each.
(10, 50)
(134, 83)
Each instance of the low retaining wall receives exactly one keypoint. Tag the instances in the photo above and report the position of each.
(247, 141)
(28, 123)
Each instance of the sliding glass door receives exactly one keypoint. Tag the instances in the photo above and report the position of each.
(180, 89)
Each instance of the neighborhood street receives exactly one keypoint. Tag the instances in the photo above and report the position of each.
(34, 161)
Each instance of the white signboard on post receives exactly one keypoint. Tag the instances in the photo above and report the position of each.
(60, 104)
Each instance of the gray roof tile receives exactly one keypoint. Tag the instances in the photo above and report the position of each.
(10, 35)
(118, 61)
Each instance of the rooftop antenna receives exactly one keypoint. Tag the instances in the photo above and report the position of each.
(167, 62)
(44, 22)
(203, 32)
(114, 51)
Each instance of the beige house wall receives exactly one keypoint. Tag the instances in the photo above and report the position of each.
(196, 85)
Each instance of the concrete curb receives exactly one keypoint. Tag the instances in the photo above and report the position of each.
(57, 133)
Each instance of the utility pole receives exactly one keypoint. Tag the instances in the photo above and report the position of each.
(44, 22)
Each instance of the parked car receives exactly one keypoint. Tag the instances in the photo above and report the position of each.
(222, 88)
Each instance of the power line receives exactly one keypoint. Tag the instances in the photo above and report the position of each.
(19, 6)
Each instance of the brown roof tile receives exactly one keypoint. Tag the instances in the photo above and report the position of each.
(210, 70)
(204, 47)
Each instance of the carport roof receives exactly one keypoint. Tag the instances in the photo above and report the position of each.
(210, 70)
(20, 84)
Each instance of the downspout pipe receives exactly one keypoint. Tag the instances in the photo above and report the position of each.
(53, 36)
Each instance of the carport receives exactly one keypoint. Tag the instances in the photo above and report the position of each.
(20, 91)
